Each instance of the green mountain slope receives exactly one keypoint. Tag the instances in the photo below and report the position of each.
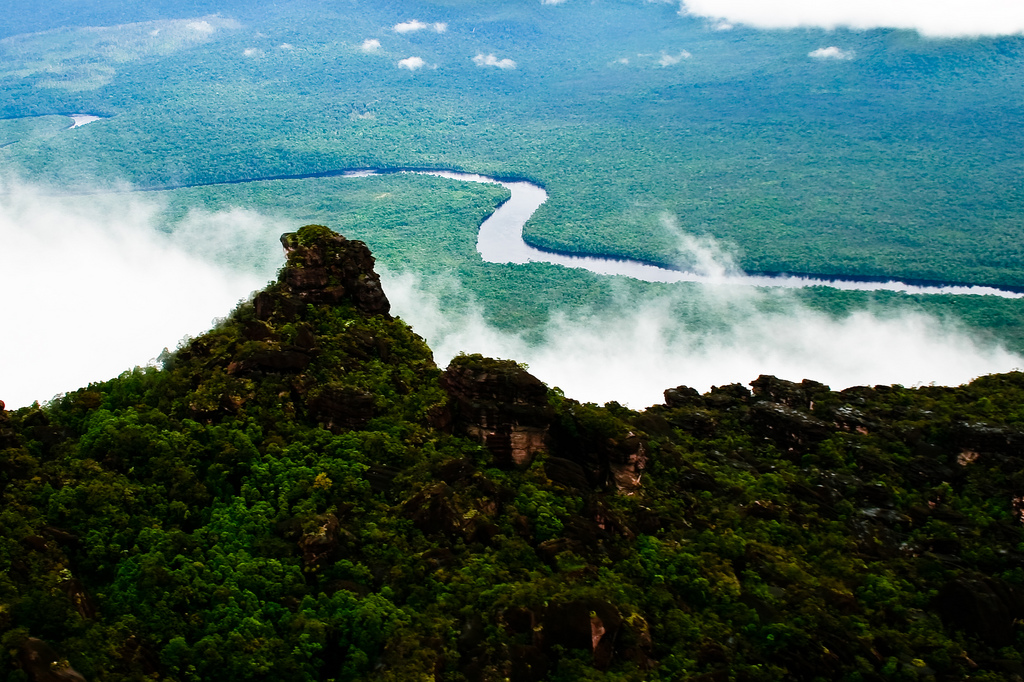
(301, 494)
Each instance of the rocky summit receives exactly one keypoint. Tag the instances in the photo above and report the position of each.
(302, 494)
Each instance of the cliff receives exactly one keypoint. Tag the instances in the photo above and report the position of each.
(301, 494)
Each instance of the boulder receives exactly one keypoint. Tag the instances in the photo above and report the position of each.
(682, 396)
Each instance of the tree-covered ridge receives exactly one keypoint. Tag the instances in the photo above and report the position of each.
(302, 494)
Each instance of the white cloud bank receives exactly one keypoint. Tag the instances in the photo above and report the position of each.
(92, 288)
(634, 353)
(934, 18)
(490, 60)
(370, 45)
(411, 63)
(831, 52)
(415, 25)
(91, 291)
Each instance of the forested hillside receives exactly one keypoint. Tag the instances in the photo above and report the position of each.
(301, 494)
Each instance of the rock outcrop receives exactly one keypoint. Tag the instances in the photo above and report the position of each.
(499, 404)
(42, 664)
(323, 268)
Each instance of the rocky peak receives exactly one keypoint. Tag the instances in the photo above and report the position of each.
(323, 268)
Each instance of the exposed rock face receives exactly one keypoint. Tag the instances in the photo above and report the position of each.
(42, 664)
(799, 396)
(682, 396)
(585, 624)
(322, 542)
(340, 407)
(627, 461)
(499, 404)
(323, 268)
(982, 437)
(8, 438)
(792, 430)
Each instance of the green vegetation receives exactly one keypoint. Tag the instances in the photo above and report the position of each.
(300, 494)
(900, 162)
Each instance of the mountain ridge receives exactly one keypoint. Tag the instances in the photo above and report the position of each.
(301, 493)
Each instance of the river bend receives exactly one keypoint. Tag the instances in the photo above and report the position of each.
(500, 240)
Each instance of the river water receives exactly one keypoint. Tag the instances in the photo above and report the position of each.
(501, 241)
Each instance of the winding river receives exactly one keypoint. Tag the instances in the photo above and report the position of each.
(501, 241)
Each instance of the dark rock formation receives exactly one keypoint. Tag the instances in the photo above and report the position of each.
(341, 407)
(434, 512)
(584, 624)
(280, 360)
(566, 472)
(682, 396)
(499, 404)
(798, 396)
(322, 542)
(325, 268)
(42, 664)
(792, 430)
(982, 437)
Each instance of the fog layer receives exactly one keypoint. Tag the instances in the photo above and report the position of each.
(636, 350)
(92, 290)
(92, 287)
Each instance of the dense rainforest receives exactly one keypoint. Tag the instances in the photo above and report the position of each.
(302, 494)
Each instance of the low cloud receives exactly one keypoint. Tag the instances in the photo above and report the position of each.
(370, 45)
(672, 59)
(951, 18)
(415, 25)
(701, 254)
(634, 351)
(490, 60)
(551, 2)
(92, 287)
(95, 285)
(831, 52)
(411, 63)
(251, 52)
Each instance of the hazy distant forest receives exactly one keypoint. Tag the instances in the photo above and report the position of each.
(898, 158)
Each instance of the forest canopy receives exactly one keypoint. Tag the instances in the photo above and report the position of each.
(301, 494)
